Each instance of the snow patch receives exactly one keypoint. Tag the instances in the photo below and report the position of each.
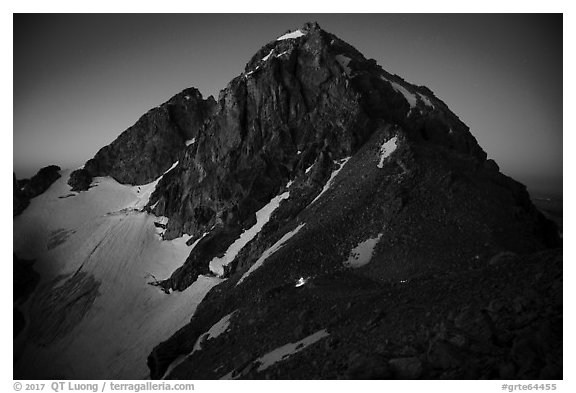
(332, 177)
(190, 141)
(309, 168)
(262, 217)
(426, 100)
(410, 98)
(283, 53)
(251, 72)
(275, 247)
(362, 253)
(294, 34)
(282, 353)
(288, 350)
(268, 55)
(387, 149)
(216, 330)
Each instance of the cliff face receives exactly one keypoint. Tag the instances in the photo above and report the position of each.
(147, 149)
(308, 101)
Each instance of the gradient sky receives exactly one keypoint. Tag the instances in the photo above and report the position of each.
(80, 80)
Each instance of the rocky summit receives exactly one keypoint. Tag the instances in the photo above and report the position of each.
(350, 222)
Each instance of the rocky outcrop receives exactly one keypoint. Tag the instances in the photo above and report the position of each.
(80, 180)
(487, 322)
(146, 150)
(26, 189)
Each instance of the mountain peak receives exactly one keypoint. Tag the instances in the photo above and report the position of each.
(325, 200)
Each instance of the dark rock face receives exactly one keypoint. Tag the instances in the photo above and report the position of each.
(80, 180)
(18, 322)
(25, 280)
(26, 189)
(439, 208)
(147, 149)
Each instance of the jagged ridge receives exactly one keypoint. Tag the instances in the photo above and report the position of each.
(147, 149)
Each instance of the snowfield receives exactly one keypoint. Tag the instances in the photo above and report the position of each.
(103, 240)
